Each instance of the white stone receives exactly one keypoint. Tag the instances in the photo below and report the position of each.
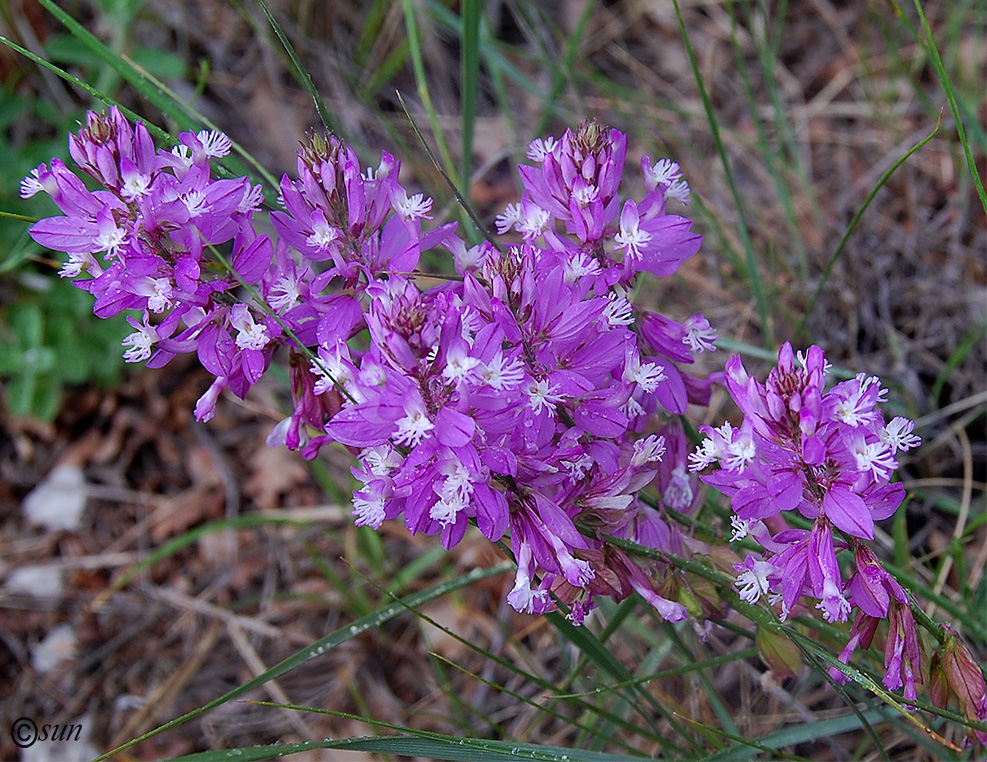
(58, 502)
(40, 581)
(58, 646)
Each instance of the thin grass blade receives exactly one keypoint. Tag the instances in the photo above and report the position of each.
(753, 273)
(306, 78)
(439, 748)
(320, 647)
(469, 53)
(853, 225)
(421, 83)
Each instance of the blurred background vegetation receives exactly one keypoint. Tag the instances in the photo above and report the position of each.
(787, 118)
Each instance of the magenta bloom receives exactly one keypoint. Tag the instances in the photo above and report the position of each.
(829, 455)
(517, 399)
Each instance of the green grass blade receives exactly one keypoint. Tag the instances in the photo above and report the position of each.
(768, 154)
(128, 72)
(372, 26)
(353, 595)
(431, 746)
(933, 52)
(853, 225)
(421, 83)
(684, 669)
(14, 215)
(715, 702)
(469, 53)
(844, 693)
(598, 654)
(562, 69)
(972, 337)
(770, 54)
(193, 535)
(259, 168)
(768, 620)
(386, 71)
(535, 704)
(550, 688)
(753, 274)
(463, 201)
(321, 646)
(801, 733)
(155, 131)
(497, 57)
(301, 71)
(155, 91)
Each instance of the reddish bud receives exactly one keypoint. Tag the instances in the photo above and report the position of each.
(955, 672)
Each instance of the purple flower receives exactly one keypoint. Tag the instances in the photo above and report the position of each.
(517, 399)
(829, 455)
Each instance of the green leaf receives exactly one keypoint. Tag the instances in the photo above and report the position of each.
(150, 90)
(74, 354)
(11, 108)
(47, 398)
(433, 747)
(159, 63)
(19, 394)
(28, 324)
(68, 49)
(11, 360)
(120, 12)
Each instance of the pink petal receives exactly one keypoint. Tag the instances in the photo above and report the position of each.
(847, 510)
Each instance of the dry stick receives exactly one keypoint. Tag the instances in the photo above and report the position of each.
(188, 603)
(956, 407)
(964, 514)
(162, 698)
(257, 666)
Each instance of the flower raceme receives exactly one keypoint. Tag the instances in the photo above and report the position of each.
(519, 397)
(829, 455)
(526, 396)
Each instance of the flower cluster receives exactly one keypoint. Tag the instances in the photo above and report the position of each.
(829, 455)
(516, 397)
(154, 216)
(527, 395)
(519, 396)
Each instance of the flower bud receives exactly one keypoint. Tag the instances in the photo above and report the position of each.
(955, 672)
(777, 651)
